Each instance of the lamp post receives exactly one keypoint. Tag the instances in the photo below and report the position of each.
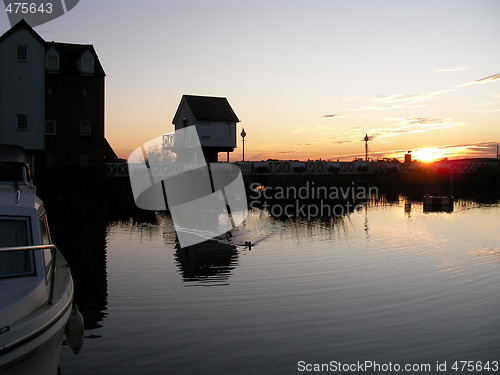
(243, 135)
(366, 139)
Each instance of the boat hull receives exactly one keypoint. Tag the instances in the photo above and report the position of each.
(33, 344)
(40, 355)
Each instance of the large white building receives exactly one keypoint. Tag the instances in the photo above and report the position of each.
(51, 99)
(22, 89)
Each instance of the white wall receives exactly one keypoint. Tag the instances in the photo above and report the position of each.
(184, 112)
(216, 133)
(22, 91)
(215, 130)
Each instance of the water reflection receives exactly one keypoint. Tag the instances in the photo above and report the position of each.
(307, 289)
(82, 241)
(208, 263)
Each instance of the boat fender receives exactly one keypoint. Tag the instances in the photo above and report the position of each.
(74, 330)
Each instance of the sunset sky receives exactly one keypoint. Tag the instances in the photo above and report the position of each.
(308, 79)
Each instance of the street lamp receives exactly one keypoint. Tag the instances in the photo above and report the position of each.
(243, 135)
(366, 139)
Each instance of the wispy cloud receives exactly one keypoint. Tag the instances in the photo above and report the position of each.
(425, 124)
(455, 68)
(486, 103)
(488, 110)
(494, 77)
(399, 127)
(397, 101)
(328, 116)
(489, 79)
(416, 125)
(350, 98)
(343, 142)
(400, 101)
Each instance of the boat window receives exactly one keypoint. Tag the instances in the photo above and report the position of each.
(11, 171)
(14, 232)
(44, 230)
(47, 254)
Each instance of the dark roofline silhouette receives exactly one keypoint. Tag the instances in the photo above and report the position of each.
(19, 25)
(68, 52)
(208, 108)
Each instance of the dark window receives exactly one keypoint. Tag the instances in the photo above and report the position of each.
(50, 127)
(22, 53)
(22, 121)
(85, 128)
(14, 232)
(84, 159)
(11, 171)
(52, 62)
(87, 65)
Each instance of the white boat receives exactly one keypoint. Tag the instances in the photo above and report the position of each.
(36, 288)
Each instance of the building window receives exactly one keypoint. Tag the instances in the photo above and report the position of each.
(52, 62)
(228, 129)
(22, 53)
(22, 122)
(87, 64)
(84, 159)
(85, 128)
(50, 127)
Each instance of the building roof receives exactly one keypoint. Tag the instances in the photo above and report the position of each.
(109, 153)
(69, 53)
(208, 108)
(19, 25)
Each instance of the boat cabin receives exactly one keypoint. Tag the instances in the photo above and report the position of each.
(23, 223)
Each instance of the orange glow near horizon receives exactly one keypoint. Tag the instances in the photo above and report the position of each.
(428, 155)
(421, 154)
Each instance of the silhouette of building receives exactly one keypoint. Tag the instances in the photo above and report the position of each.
(408, 157)
(215, 123)
(52, 99)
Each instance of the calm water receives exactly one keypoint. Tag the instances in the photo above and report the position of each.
(386, 283)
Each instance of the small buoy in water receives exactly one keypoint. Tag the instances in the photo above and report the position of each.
(248, 244)
(74, 330)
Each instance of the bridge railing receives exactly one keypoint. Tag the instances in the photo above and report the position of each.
(116, 169)
(309, 167)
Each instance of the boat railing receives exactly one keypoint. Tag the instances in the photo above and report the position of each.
(53, 251)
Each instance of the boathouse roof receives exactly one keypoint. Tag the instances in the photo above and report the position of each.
(207, 108)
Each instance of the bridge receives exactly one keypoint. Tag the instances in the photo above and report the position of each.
(279, 167)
